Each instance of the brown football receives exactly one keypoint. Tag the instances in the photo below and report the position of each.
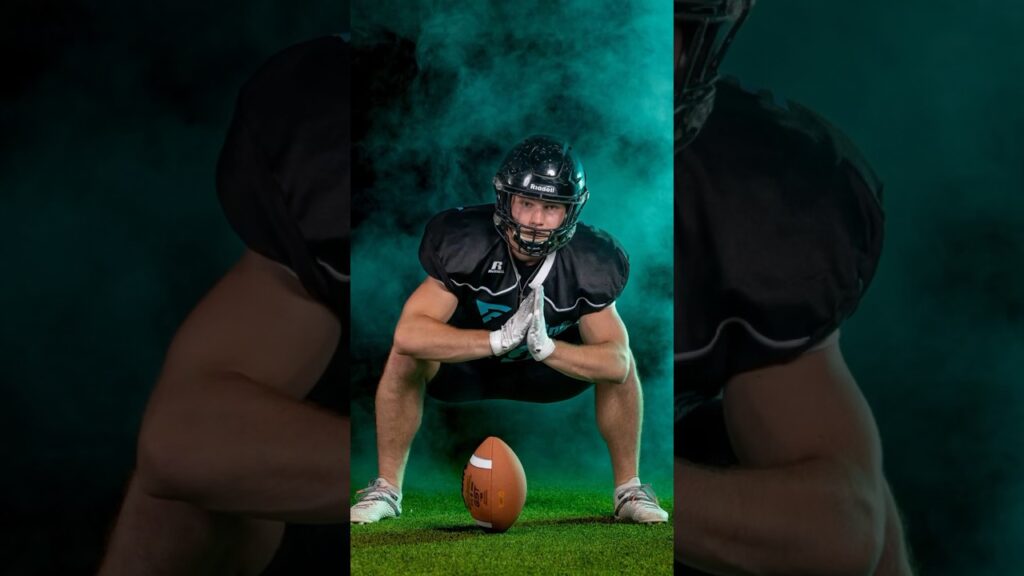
(494, 486)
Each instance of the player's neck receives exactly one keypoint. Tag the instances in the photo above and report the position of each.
(524, 259)
(517, 256)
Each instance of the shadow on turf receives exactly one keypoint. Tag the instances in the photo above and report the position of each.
(534, 523)
(465, 531)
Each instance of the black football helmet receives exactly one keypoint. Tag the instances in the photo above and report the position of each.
(545, 168)
(708, 28)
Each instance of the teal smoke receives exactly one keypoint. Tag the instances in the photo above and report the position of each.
(480, 77)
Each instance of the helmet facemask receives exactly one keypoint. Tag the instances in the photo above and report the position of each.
(708, 28)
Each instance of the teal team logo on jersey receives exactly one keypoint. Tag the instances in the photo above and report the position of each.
(490, 311)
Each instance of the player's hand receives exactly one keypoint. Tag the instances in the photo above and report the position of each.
(537, 340)
(511, 333)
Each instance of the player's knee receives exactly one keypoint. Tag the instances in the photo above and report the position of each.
(631, 378)
(857, 529)
(165, 465)
(403, 342)
(157, 467)
(405, 367)
(623, 372)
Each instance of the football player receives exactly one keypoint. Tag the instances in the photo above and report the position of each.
(779, 231)
(518, 303)
(247, 428)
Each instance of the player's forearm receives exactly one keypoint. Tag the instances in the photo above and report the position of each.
(425, 338)
(607, 362)
(237, 446)
(814, 517)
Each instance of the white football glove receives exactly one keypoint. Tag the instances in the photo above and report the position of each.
(537, 340)
(514, 329)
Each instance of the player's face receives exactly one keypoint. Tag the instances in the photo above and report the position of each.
(537, 214)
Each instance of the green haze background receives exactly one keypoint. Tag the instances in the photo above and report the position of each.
(111, 118)
(450, 87)
(932, 92)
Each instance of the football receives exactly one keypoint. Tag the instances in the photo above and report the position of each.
(494, 486)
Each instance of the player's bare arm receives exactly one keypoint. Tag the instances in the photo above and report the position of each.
(226, 428)
(808, 495)
(604, 355)
(423, 333)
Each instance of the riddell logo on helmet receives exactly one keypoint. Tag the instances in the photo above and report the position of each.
(542, 188)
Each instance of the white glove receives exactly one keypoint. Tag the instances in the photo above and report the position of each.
(541, 346)
(514, 329)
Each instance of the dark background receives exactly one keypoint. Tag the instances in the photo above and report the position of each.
(111, 118)
(932, 93)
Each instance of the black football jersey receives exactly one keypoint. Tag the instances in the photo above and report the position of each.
(778, 235)
(463, 249)
(283, 179)
(283, 174)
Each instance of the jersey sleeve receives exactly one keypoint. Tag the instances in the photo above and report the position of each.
(618, 273)
(600, 266)
(283, 172)
(457, 243)
(781, 235)
(432, 248)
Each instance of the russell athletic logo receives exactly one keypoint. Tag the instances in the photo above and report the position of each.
(496, 268)
(542, 188)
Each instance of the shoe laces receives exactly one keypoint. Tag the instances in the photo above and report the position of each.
(642, 494)
(378, 489)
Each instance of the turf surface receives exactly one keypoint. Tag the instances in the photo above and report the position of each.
(561, 531)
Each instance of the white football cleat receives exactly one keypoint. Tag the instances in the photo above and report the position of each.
(637, 503)
(376, 502)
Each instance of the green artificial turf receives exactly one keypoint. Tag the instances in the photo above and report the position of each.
(562, 530)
